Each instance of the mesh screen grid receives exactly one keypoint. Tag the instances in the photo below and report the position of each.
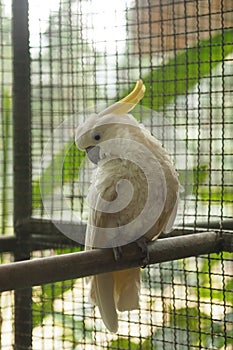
(75, 66)
(85, 55)
(6, 169)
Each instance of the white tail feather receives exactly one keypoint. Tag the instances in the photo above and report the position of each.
(127, 289)
(103, 286)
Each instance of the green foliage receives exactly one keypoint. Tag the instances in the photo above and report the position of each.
(200, 174)
(72, 158)
(209, 193)
(44, 298)
(193, 178)
(196, 183)
(216, 194)
(189, 326)
(72, 162)
(162, 274)
(74, 329)
(192, 325)
(200, 327)
(185, 70)
(125, 344)
(208, 277)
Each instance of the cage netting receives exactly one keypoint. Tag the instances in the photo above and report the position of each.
(83, 56)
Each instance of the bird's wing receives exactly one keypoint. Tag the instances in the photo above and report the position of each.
(98, 235)
(169, 226)
(102, 224)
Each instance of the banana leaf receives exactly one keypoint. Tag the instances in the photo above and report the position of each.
(183, 71)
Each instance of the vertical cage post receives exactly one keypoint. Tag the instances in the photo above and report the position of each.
(22, 163)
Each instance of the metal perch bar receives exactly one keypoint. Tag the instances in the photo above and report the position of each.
(75, 265)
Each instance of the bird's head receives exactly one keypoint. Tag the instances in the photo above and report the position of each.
(111, 123)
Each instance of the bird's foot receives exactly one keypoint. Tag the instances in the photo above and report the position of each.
(142, 244)
(117, 252)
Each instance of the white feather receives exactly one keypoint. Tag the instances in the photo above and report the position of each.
(168, 228)
(103, 287)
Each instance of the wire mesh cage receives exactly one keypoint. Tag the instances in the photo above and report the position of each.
(68, 59)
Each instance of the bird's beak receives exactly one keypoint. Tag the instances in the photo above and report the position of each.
(93, 153)
(127, 103)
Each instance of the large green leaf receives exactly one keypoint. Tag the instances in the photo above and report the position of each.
(185, 70)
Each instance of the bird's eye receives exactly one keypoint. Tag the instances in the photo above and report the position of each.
(96, 137)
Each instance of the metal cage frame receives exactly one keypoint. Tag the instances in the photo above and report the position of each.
(30, 232)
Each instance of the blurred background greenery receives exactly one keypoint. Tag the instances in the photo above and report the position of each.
(188, 83)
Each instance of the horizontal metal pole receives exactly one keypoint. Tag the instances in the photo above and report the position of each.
(45, 227)
(75, 265)
(8, 244)
(226, 225)
(46, 235)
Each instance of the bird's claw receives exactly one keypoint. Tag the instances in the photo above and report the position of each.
(117, 252)
(142, 245)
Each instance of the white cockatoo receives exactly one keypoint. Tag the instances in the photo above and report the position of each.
(133, 197)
